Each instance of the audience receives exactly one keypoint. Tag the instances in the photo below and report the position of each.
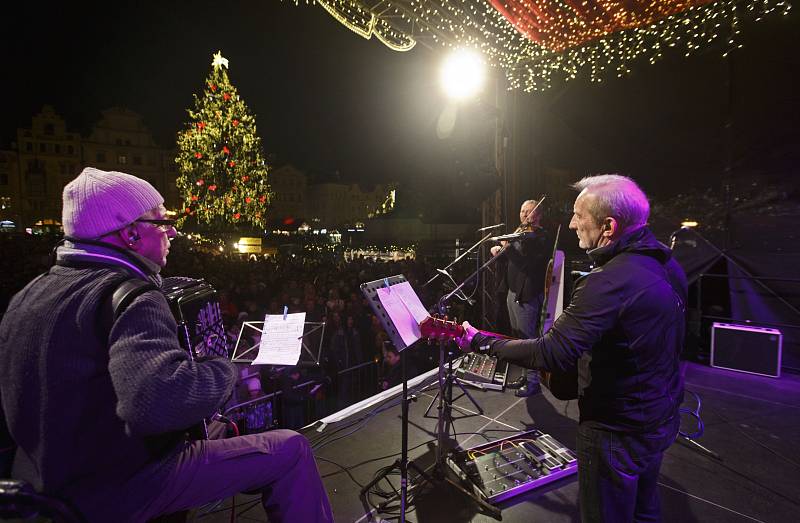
(325, 287)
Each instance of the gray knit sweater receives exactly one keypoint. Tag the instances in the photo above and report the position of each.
(92, 405)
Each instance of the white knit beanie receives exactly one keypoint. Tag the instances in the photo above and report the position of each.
(99, 202)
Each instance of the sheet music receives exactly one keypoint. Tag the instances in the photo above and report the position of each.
(281, 340)
(404, 308)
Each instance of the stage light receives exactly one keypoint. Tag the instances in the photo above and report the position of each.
(463, 73)
(689, 223)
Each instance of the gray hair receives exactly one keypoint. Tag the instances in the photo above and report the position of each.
(616, 196)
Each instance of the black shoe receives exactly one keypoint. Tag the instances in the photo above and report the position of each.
(529, 389)
(518, 383)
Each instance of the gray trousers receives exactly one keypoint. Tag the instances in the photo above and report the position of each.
(278, 463)
(524, 318)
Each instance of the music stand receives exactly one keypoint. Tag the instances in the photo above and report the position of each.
(243, 352)
(396, 332)
(401, 322)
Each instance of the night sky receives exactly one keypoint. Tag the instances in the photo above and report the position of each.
(329, 101)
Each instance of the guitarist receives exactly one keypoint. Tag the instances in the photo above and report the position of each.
(524, 279)
(97, 405)
(623, 330)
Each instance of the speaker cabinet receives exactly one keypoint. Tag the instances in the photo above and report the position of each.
(746, 348)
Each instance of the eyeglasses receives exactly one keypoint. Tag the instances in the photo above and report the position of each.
(162, 225)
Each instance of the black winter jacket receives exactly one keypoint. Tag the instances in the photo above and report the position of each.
(624, 330)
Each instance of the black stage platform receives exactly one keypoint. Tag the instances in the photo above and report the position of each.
(752, 422)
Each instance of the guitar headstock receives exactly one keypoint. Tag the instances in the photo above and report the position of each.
(436, 328)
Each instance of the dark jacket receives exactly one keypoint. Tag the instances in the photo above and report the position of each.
(624, 330)
(527, 264)
(92, 406)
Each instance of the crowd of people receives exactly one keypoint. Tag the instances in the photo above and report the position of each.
(325, 287)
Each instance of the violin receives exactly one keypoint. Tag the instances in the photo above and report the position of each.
(524, 227)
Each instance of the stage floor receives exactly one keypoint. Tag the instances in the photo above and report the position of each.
(751, 422)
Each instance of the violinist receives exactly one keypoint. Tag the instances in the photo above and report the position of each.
(523, 279)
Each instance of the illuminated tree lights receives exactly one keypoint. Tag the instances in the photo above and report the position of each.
(536, 42)
(223, 176)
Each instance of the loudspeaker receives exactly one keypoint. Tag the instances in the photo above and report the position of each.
(746, 348)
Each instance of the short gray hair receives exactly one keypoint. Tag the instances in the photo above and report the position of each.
(616, 196)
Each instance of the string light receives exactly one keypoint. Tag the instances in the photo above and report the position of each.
(536, 42)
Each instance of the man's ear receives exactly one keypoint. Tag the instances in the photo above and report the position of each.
(610, 227)
(130, 236)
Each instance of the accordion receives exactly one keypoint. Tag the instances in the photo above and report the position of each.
(201, 332)
(195, 306)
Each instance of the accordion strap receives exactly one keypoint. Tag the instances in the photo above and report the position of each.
(126, 292)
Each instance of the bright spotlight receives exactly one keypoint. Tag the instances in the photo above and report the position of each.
(463, 74)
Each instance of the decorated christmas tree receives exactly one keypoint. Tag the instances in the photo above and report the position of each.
(222, 172)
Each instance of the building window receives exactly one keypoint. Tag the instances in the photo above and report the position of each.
(70, 149)
(42, 148)
(101, 157)
(119, 141)
(49, 129)
(137, 160)
(4, 179)
(122, 159)
(57, 148)
(29, 147)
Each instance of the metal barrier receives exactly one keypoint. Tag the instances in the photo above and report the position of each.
(309, 401)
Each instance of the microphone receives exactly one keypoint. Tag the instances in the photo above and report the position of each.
(513, 236)
(490, 227)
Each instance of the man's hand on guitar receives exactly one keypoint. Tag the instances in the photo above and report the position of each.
(464, 342)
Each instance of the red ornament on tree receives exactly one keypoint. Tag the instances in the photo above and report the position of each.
(231, 163)
(201, 125)
(236, 216)
(213, 87)
(262, 199)
(235, 123)
(200, 182)
(187, 210)
(248, 200)
(226, 96)
(194, 198)
(198, 155)
(225, 149)
(212, 187)
(245, 178)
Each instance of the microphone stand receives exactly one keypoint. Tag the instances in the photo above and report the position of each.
(445, 398)
(475, 246)
(445, 394)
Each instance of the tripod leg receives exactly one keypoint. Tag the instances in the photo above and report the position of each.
(468, 395)
(689, 442)
(490, 509)
(430, 406)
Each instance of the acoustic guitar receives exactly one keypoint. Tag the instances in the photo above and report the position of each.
(563, 385)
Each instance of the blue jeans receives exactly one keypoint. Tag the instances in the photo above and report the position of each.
(618, 472)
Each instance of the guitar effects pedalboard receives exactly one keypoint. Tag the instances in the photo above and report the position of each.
(507, 467)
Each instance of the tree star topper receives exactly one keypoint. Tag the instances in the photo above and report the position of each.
(219, 60)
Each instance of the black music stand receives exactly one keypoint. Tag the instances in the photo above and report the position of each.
(370, 290)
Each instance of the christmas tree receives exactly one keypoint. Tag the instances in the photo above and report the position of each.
(222, 172)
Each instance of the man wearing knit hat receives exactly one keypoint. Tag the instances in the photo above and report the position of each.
(98, 405)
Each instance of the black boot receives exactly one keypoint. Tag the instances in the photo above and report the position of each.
(518, 383)
(529, 389)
